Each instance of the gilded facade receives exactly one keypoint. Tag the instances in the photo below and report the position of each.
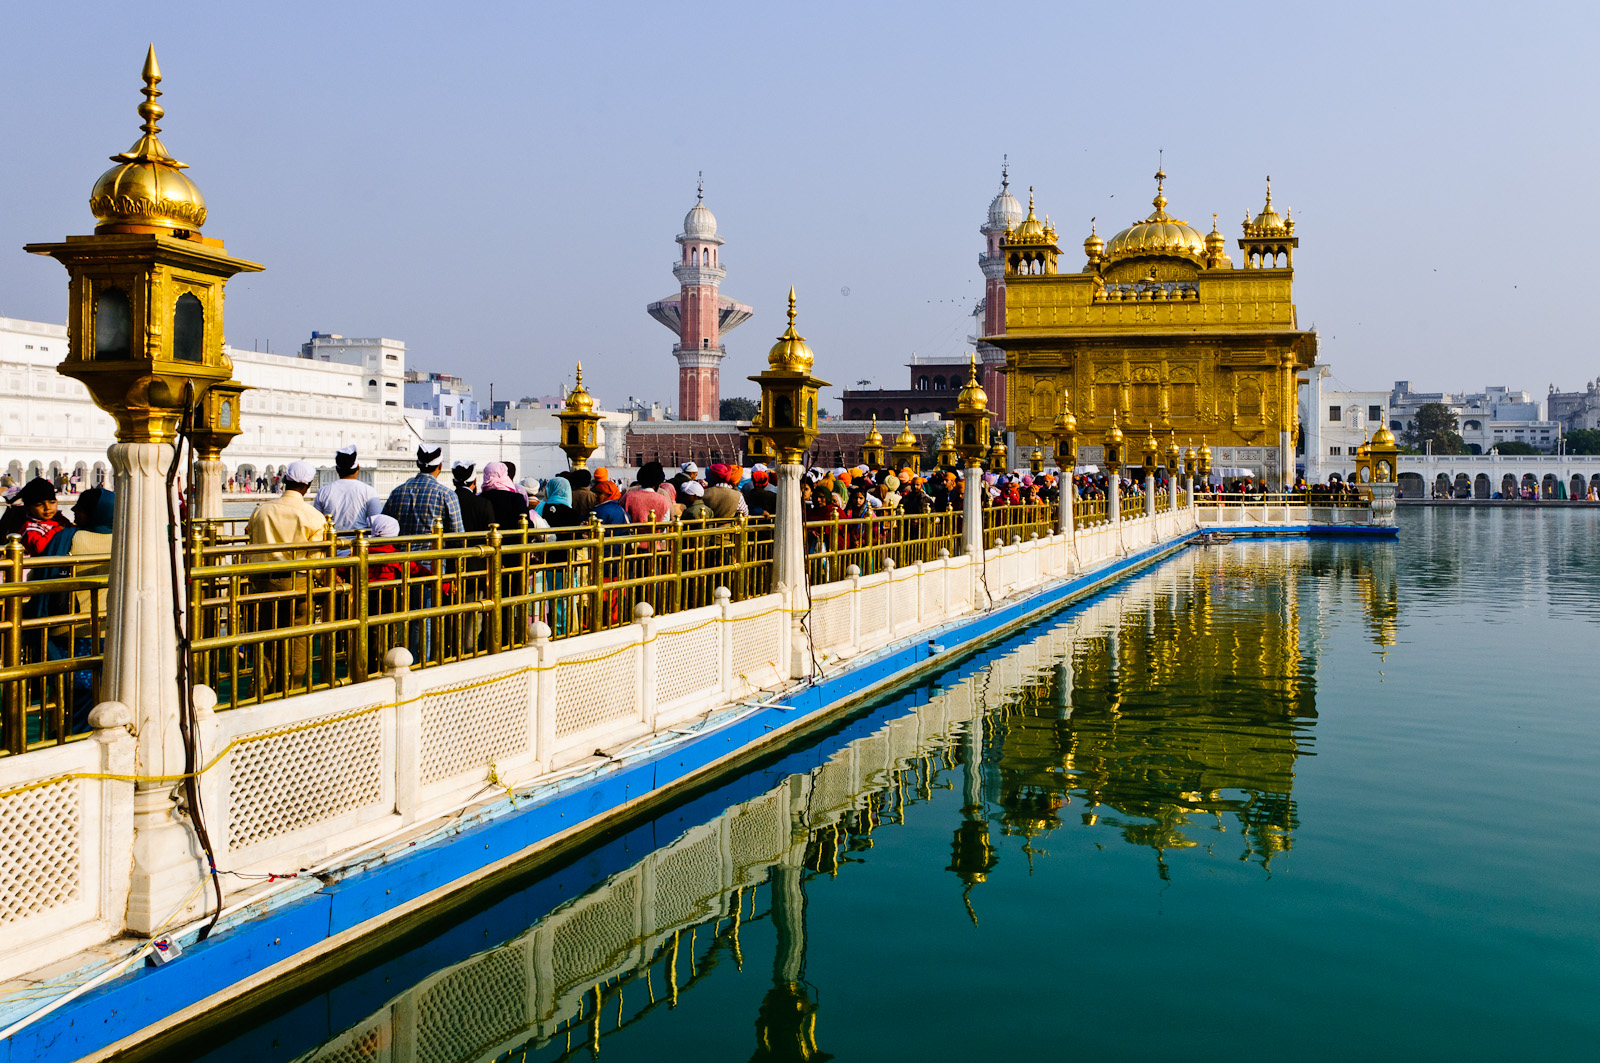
(1158, 329)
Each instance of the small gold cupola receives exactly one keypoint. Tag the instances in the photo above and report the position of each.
(148, 187)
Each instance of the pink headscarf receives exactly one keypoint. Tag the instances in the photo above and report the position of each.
(496, 478)
(670, 491)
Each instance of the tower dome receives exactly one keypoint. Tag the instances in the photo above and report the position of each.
(700, 223)
(148, 186)
(1004, 210)
(1159, 234)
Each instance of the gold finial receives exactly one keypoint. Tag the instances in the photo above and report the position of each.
(1213, 221)
(791, 306)
(1030, 199)
(1091, 227)
(1269, 191)
(150, 110)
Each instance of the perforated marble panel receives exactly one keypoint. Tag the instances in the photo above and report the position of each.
(830, 621)
(472, 724)
(688, 660)
(688, 881)
(290, 781)
(480, 1004)
(592, 936)
(874, 610)
(758, 647)
(933, 593)
(593, 692)
(905, 598)
(41, 850)
(757, 836)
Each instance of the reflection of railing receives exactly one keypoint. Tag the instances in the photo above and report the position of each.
(52, 624)
(905, 538)
(263, 628)
(1001, 524)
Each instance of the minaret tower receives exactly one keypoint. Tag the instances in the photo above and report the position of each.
(699, 314)
(1005, 214)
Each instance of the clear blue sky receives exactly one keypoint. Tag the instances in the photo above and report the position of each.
(499, 184)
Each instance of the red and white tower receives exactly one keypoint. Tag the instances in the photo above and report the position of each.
(699, 314)
(1005, 214)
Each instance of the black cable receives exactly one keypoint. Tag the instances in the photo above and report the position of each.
(187, 724)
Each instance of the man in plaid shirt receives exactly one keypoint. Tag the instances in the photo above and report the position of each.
(421, 499)
(415, 504)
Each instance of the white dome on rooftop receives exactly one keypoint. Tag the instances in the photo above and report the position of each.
(1004, 210)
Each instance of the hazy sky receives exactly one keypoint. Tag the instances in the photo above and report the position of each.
(499, 185)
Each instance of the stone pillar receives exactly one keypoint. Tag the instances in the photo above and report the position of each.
(141, 659)
(1114, 499)
(1069, 497)
(1149, 493)
(789, 561)
(1172, 489)
(1285, 460)
(972, 511)
(1191, 488)
(205, 494)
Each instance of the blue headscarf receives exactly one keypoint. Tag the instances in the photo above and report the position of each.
(557, 492)
(92, 514)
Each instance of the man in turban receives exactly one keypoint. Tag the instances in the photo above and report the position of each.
(347, 499)
(421, 500)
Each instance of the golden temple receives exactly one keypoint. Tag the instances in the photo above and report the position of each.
(1160, 330)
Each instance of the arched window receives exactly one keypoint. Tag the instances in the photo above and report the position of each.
(113, 324)
(188, 329)
(922, 383)
(938, 383)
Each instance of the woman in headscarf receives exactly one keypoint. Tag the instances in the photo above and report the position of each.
(506, 504)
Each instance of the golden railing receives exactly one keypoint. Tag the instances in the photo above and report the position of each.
(1283, 498)
(265, 626)
(832, 546)
(1088, 512)
(1163, 500)
(1003, 523)
(52, 629)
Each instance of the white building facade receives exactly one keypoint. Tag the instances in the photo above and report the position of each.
(1335, 423)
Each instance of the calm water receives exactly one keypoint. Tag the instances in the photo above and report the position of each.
(1288, 800)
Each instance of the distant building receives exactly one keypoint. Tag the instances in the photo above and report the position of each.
(1575, 410)
(1483, 418)
(933, 386)
(1005, 214)
(445, 397)
(1334, 423)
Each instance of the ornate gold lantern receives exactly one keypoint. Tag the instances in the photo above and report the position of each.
(1383, 456)
(947, 456)
(907, 448)
(971, 417)
(872, 446)
(1174, 456)
(1113, 447)
(996, 460)
(579, 423)
(1204, 459)
(216, 422)
(1152, 451)
(756, 444)
(1036, 461)
(1065, 431)
(789, 395)
(145, 313)
(1190, 458)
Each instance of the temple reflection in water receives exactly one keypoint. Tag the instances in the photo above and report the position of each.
(1170, 713)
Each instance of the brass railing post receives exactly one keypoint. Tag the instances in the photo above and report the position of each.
(359, 609)
(495, 593)
(16, 718)
(596, 573)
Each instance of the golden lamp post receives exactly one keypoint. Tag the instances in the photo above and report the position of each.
(1113, 463)
(215, 425)
(947, 456)
(756, 446)
(1036, 461)
(971, 417)
(1065, 431)
(872, 446)
(907, 448)
(789, 422)
(1204, 461)
(1151, 455)
(579, 420)
(145, 337)
(997, 451)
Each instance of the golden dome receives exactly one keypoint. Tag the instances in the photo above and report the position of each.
(1113, 434)
(790, 354)
(972, 396)
(1065, 422)
(148, 186)
(1159, 234)
(1268, 222)
(1382, 437)
(1093, 245)
(1032, 230)
(874, 437)
(906, 438)
(578, 399)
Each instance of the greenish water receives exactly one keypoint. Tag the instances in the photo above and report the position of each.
(1289, 800)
